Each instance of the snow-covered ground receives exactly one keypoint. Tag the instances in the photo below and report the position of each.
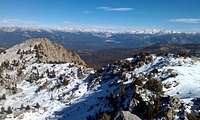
(186, 85)
(188, 81)
(50, 100)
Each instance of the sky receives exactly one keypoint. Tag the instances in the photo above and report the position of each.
(180, 15)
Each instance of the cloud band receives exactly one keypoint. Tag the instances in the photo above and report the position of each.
(186, 20)
(112, 9)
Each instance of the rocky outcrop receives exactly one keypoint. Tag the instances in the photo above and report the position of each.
(126, 115)
(40, 50)
(49, 52)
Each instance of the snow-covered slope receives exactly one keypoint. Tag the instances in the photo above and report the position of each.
(51, 94)
(188, 79)
(32, 89)
(178, 75)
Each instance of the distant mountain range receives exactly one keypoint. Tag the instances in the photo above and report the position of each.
(94, 39)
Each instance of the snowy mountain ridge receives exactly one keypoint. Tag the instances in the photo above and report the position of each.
(41, 50)
(27, 82)
(13, 28)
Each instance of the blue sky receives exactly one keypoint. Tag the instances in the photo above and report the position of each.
(181, 15)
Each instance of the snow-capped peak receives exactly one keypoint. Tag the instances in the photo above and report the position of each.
(14, 26)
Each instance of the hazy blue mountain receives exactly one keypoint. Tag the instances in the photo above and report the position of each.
(94, 40)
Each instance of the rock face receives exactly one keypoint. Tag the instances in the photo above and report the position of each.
(128, 116)
(41, 50)
(50, 52)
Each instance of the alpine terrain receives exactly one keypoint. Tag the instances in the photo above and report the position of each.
(41, 80)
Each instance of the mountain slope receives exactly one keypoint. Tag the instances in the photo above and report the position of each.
(144, 87)
(41, 50)
(149, 86)
(28, 80)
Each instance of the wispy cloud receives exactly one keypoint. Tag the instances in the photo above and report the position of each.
(186, 20)
(17, 22)
(87, 12)
(24, 23)
(115, 9)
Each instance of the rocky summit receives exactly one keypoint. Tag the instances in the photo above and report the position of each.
(41, 50)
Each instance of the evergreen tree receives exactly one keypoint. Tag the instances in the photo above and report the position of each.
(65, 82)
(27, 107)
(37, 106)
(3, 97)
(22, 107)
(2, 109)
(9, 111)
(18, 52)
